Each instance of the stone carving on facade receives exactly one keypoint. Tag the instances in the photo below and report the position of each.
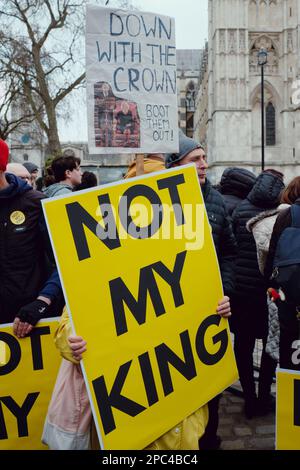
(272, 64)
(253, 60)
(267, 43)
(232, 98)
(242, 92)
(232, 41)
(290, 41)
(223, 94)
(263, 2)
(242, 40)
(222, 43)
(268, 97)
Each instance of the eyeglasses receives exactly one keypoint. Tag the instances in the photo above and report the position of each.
(25, 178)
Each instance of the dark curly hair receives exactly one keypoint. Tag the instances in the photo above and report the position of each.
(89, 180)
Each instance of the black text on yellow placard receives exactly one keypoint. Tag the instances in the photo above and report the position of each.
(27, 378)
(288, 410)
(145, 303)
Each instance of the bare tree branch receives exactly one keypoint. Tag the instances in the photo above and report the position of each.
(66, 91)
(41, 61)
(45, 78)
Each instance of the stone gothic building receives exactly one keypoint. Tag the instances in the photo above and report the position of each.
(231, 116)
(189, 63)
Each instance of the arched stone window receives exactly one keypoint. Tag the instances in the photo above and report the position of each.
(270, 124)
(273, 118)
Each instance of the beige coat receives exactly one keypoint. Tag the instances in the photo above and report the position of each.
(262, 227)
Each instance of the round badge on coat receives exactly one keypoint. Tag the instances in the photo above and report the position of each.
(17, 217)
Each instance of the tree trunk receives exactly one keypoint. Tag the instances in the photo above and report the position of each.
(54, 147)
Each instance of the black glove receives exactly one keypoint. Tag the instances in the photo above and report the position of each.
(33, 312)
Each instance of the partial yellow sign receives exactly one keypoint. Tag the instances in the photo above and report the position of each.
(28, 371)
(288, 410)
(142, 283)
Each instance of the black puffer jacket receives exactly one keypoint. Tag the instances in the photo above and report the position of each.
(222, 234)
(264, 195)
(235, 185)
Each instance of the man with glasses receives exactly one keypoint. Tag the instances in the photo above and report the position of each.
(20, 171)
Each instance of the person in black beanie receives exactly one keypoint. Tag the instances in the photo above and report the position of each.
(190, 151)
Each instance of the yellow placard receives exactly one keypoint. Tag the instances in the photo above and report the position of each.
(287, 410)
(144, 302)
(2, 353)
(28, 372)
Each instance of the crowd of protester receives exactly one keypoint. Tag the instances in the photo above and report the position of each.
(251, 218)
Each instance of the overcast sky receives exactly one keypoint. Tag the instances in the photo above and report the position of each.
(191, 32)
(190, 19)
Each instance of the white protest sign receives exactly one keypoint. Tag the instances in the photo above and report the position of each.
(131, 82)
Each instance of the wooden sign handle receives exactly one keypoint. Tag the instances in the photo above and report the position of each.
(139, 160)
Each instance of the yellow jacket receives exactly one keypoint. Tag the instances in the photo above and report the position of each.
(61, 336)
(150, 165)
(185, 435)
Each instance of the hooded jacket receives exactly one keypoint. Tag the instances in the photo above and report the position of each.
(264, 195)
(235, 185)
(25, 269)
(262, 226)
(150, 166)
(57, 189)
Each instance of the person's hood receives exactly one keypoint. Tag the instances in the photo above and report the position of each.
(266, 191)
(237, 182)
(264, 215)
(57, 189)
(16, 186)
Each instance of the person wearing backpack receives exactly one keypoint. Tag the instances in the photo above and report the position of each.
(283, 270)
(261, 227)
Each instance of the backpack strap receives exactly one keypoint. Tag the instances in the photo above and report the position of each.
(295, 213)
